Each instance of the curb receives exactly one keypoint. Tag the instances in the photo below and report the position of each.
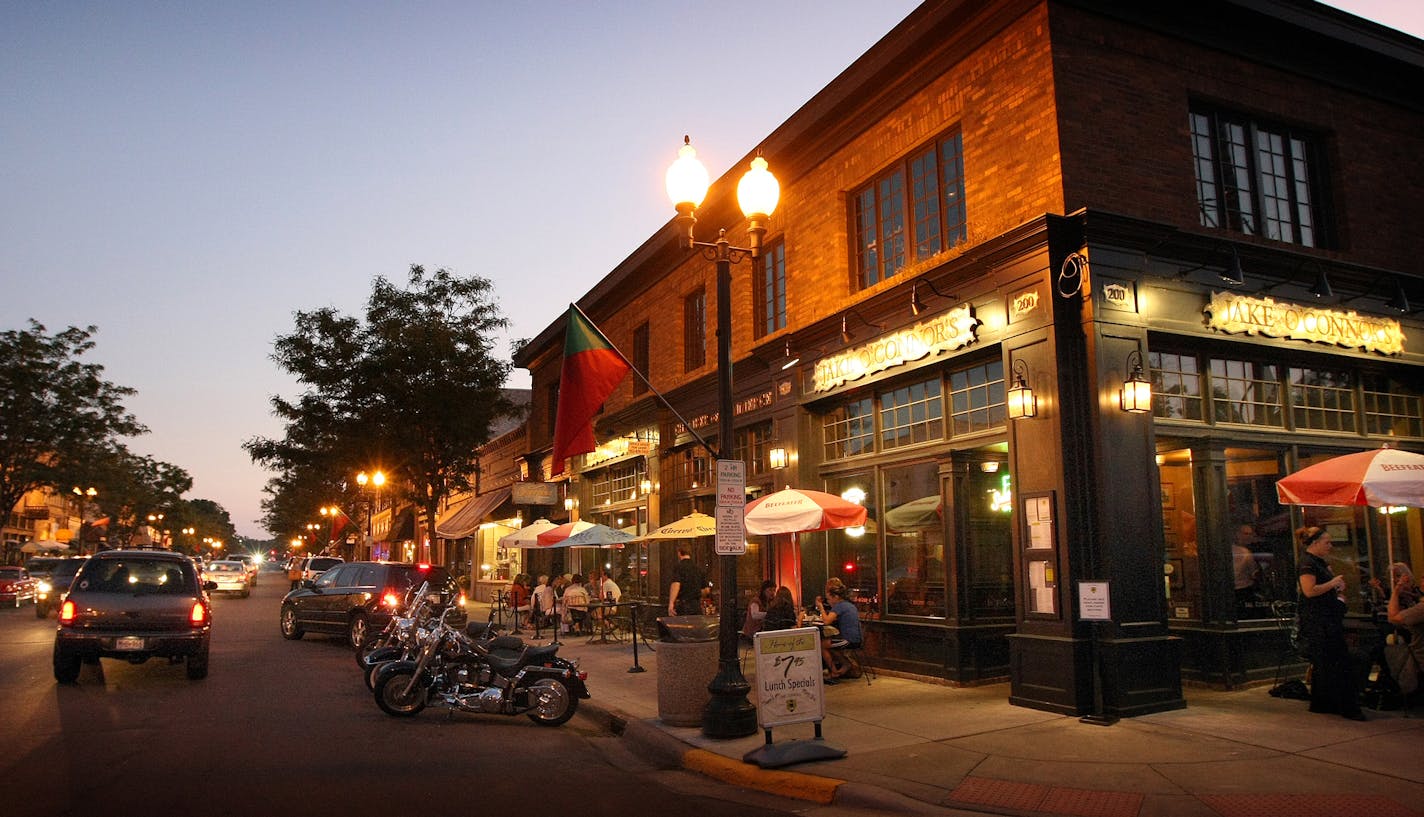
(661, 748)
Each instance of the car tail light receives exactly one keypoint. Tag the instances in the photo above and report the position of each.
(67, 613)
(198, 616)
(391, 599)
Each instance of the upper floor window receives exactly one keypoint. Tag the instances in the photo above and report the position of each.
(771, 289)
(694, 331)
(1256, 178)
(910, 212)
(641, 358)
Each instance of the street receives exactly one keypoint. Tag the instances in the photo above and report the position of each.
(287, 727)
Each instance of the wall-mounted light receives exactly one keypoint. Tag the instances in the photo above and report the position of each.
(776, 457)
(1233, 273)
(568, 503)
(989, 466)
(1398, 302)
(1322, 284)
(916, 305)
(789, 360)
(846, 336)
(1020, 400)
(1136, 394)
(646, 486)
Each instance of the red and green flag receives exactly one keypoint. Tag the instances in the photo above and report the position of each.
(592, 369)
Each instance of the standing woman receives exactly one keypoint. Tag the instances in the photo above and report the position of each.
(1322, 627)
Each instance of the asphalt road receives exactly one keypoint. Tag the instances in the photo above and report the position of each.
(288, 728)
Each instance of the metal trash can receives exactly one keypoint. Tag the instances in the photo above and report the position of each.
(687, 663)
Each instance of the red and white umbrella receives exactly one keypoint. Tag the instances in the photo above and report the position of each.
(527, 536)
(583, 534)
(1378, 478)
(797, 510)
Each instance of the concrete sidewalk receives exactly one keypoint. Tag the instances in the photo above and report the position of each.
(922, 748)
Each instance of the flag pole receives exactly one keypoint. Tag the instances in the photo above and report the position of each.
(710, 450)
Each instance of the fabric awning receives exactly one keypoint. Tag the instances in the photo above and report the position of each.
(466, 519)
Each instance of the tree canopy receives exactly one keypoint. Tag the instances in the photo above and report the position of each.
(58, 415)
(411, 388)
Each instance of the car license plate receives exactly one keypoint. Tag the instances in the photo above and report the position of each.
(128, 642)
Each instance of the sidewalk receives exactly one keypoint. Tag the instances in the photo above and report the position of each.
(922, 748)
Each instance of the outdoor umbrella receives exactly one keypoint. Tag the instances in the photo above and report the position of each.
(796, 510)
(692, 526)
(917, 514)
(44, 546)
(1378, 478)
(583, 534)
(527, 536)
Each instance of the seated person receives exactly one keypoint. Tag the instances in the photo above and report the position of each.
(576, 604)
(842, 615)
(781, 611)
(520, 599)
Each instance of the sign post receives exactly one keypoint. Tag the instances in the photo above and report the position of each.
(1095, 607)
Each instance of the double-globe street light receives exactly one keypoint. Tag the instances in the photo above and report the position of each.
(728, 714)
(83, 494)
(375, 480)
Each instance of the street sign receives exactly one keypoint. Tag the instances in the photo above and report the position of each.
(731, 532)
(731, 484)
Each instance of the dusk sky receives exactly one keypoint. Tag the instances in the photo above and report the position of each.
(185, 176)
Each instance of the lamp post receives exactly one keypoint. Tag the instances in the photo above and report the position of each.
(83, 494)
(376, 480)
(331, 512)
(728, 714)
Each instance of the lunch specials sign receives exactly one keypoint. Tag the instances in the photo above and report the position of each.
(1229, 312)
(788, 677)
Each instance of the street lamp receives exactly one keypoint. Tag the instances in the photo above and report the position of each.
(376, 480)
(83, 494)
(728, 714)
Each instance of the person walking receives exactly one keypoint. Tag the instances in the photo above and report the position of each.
(688, 581)
(1322, 627)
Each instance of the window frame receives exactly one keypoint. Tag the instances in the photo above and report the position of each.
(770, 291)
(891, 214)
(694, 330)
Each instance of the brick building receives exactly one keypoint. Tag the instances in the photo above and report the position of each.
(1045, 194)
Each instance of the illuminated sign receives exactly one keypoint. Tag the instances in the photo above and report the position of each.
(942, 333)
(1264, 316)
(1001, 499)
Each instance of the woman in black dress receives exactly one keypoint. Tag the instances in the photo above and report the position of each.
(1322, 627)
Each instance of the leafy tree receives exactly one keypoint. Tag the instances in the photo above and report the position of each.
(57, 413)
(412, 388)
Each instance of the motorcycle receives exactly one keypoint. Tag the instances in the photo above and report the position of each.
(458, 671)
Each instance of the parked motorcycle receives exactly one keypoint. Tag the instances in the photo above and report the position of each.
(455, 670)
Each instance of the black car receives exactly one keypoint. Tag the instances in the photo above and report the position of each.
(352, 598)
(52, 580)
(134, 605)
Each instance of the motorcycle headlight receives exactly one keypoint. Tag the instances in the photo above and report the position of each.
(45, 587)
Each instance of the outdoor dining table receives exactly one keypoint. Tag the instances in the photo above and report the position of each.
(601, 612)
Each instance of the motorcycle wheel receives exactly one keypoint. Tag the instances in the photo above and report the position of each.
(550, 702)
(388, 694)
(373, 642)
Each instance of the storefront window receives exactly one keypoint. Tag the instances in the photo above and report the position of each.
(1322, 400)
(1391, 408)
(914, 541)
(1263, 566)
(988, 546)
(851, 553)
(849, 429)
(976, 398)
(1246, 392)
(1176, 386)
(1182, 568)
(911, 414)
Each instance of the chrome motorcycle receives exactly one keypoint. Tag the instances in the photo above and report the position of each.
(458, 671)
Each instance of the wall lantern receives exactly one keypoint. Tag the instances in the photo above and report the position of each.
(1021, 402)
(1136, 392)
(777, 457)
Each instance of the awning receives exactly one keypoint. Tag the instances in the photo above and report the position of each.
(466, 519)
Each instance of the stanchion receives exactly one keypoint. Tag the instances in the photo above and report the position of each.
(633, 617)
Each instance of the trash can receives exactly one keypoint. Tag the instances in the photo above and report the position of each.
(687, 663)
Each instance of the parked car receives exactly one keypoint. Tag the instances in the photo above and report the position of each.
(228, 576)
(16, 585)
(353, 598)
(249, 563)
(311, 567)
(53, 583)
(134, 605)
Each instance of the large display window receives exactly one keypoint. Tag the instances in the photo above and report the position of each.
(915, 575)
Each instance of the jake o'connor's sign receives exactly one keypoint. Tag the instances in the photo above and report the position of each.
(949, 330)
(1263, 316)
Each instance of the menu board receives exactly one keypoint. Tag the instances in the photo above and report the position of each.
(788, 677)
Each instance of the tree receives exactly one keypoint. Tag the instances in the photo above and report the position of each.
(413, 387)
(56, 412)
